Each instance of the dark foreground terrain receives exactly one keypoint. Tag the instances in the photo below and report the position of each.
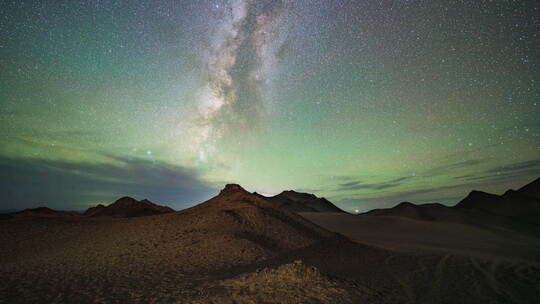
(242, 248)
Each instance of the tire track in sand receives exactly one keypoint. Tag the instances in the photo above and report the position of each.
(439, 275)
(490, 274)
(408, 291)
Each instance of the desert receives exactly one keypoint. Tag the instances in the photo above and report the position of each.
(240, 247)
(269, 151)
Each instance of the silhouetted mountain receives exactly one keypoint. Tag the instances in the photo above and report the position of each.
(254, 218)
(44, 212)
(302, 202)
(5, 216)
(426, 212)
(521, 204)
(478, 208)
(479, 200)
(532, 189)
(93, 210)
(128, 207)
(230, 247)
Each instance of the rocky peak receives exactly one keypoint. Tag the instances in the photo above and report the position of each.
(406, 204)
(232, 188)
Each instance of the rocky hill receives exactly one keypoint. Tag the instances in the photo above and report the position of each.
(523, 204)
(302, 202)
(44, 212)
(128, 207)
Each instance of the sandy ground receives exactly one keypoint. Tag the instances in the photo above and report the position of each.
(238, 248)
(409, 235)
(453, 262)
(170, 258)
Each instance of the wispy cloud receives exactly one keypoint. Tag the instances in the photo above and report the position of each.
(522, 169)
(446, 194)
(357, 185)
(447, 169)
(422, 195)
(518, 166)
(71, 185)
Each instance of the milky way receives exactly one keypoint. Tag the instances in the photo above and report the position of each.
(367, 103)
(239, 65)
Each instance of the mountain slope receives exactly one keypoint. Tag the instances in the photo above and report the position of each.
(164, 256)
(532, 189)
(44, 212)
(426, 212)
(521, 205)
(128, 207)
(94, 210)
(512, 210)
(260, 221)
(302, 202)
(214, 253)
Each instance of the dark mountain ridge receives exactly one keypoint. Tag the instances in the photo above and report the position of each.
(187, 255)
(532, 189)
(522, 204)
(123, 207)
(44, 212)
(516, 209)
(128, 207)
(302, 202)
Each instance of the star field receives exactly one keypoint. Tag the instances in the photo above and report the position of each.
(367, 103)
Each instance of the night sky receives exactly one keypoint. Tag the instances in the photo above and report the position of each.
(367, 103)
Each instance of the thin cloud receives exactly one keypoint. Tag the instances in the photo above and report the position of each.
(529, 168)
(445, 169)
(71, 185)
(357, 185)
(518, 166)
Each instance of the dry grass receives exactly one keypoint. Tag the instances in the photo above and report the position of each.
(290, 283)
